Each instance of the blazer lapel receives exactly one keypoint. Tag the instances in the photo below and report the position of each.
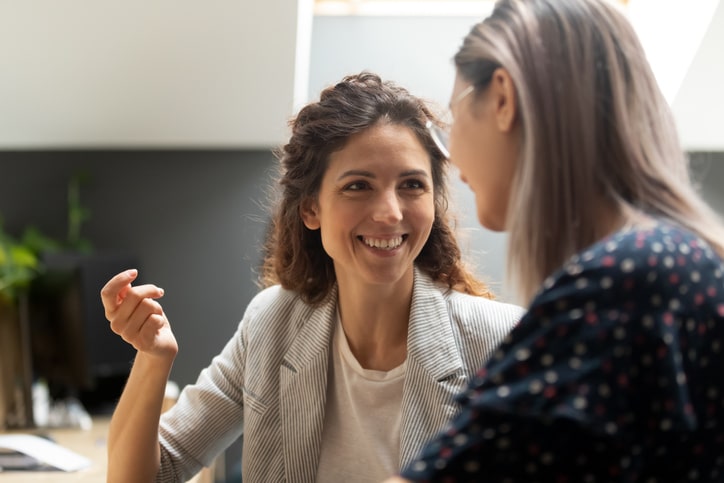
(435, 371)
(303, 390)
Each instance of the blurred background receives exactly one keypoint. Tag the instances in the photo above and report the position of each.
(168, 112)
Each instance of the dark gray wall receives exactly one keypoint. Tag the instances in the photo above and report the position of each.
(194, 219)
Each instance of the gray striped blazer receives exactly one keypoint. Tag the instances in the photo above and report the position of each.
(270, 381)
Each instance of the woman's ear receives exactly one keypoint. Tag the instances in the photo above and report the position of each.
(309, 213)
(506, 103)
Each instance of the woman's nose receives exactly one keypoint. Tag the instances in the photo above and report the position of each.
(387, 208)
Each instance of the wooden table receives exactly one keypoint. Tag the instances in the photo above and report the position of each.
(89, 443)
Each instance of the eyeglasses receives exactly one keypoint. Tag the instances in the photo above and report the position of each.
(441, 135)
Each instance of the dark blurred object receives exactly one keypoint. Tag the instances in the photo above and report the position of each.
(73, 347)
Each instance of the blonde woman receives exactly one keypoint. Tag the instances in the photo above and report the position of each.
(615, 372)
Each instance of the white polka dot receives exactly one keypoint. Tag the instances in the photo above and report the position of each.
(657, 247)
(656, 300)
(580, 348)
(546, 360)
(669, 262)
(668, 338)
(460, 439)
(588, 256)
(652, 276)
(581, 283)
(684, 248)
(489, 433)
(472, 466)
(419, 466)
(535, 387)
(611, 246)
(674, 304)
(681, 378)
(628, 265)
(575, 314)
(575, 363)
(574, 269)
(647, 321)
(611, 428)
(548, 283)
(550, 377)
(580, 402)
(522, 354)
(604, 390)
(606, 283)
(619, 333)
(695, 276)
(665, 424)
(503, 391)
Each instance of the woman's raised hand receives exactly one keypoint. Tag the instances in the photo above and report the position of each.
(136, 316)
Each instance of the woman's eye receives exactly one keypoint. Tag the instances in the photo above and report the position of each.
(413, 184)
(356, 186)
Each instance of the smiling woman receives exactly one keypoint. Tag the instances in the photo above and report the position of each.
(367, 326)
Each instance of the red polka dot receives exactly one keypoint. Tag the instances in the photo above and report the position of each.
(608, 261)
(668, 318)
(720, 310)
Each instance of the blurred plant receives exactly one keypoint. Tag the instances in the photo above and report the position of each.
(21, 259)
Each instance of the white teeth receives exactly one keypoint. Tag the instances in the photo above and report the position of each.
(390, 244)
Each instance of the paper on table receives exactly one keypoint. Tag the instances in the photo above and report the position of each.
(44, 451)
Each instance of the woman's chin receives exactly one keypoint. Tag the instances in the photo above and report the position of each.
(491, 223)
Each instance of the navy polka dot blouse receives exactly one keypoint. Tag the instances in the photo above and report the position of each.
(616, 373)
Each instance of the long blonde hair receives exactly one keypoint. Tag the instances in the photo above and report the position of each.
(594, 126)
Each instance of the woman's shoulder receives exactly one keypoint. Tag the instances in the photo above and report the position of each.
(659, 246)
(276, 304)
(463, 302)
(658, 258)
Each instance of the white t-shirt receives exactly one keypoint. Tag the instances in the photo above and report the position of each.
(361, 436)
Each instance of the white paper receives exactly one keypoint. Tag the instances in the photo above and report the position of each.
(45, 451)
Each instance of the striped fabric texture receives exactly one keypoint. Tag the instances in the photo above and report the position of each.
(269, 382)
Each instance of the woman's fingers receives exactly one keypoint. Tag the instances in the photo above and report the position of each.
(132, 311)
(128, 326)
(114, 290)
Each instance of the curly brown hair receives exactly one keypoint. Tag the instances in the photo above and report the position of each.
(294, 255)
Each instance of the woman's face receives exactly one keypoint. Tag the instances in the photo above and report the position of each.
(375, 206)
(484, 145)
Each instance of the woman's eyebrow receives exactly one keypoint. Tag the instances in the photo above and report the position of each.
(356, 172)
(369, 174)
